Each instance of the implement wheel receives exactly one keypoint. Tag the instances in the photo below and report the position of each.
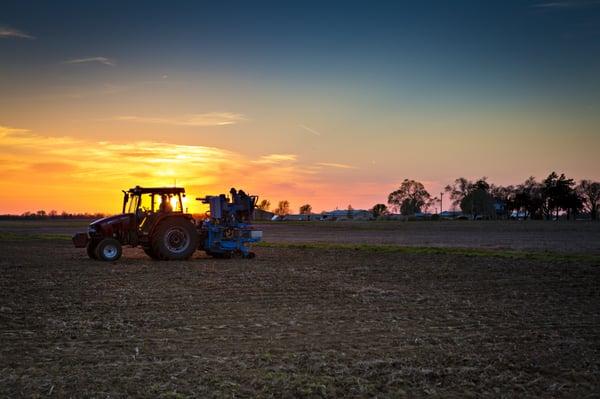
(175, 239)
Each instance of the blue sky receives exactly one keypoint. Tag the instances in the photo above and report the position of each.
(337, 83)
(468, 41)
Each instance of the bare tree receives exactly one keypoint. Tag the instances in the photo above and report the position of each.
(306, 209)
(459, 190)
(409, 198)
(264, 205)
(379, 210)
(505, 195)
(559, 194)
(529, 198)
(283, 208)
(589, 192)
(478, 202)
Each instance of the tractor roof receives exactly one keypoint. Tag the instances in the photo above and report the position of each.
(156, 190)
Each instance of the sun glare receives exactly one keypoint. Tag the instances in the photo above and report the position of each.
(174, 202)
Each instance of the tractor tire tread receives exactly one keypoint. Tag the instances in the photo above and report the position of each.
(158, 244)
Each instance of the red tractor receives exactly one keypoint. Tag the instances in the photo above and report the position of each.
(154, 218)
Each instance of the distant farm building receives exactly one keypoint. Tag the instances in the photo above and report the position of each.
(337, 215)
(450, 214)
(262, 215)
(301, 217)
(340, 215)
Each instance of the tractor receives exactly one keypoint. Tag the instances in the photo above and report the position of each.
(154, 219)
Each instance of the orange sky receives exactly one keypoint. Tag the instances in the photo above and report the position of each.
(321, 103)
(77, 174)
(66, 173)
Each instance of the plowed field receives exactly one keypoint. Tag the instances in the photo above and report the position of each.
(314, 321)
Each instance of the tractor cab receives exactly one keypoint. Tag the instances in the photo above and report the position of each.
(148, 205)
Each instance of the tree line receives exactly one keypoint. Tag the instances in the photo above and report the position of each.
(550, 198)
(547, 199)
(42, 214)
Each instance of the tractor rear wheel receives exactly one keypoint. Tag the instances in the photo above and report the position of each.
(175, 239)
(108, 250)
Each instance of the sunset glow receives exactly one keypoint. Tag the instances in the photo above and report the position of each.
(322, 118)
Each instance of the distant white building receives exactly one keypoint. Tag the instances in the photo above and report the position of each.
(301, 217)
(337, 215)
(345, 214)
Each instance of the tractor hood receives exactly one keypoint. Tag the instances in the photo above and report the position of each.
(110, 220)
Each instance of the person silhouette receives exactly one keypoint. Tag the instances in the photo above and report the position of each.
(165, 204)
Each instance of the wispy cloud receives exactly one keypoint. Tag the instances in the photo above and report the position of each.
(276, 158)
(207, 119)
(6, 131)
(158, 161)
(567, 4)
(335, 165)
(6, 32)
(308, 129)
(99, 60)
(64, 166)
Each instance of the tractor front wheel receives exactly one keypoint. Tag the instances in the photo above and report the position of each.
(175, 239)
(108, 250)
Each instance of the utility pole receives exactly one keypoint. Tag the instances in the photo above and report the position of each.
(441, 202)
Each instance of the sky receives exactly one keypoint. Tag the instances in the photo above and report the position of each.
(327, 103)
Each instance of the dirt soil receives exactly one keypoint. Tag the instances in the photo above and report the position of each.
(295, 322)
(563, 236)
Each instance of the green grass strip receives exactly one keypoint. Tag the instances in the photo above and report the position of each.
(378, 248)
(416, 250)
(10, 236)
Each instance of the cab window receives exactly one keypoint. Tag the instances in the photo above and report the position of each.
(133, 203)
